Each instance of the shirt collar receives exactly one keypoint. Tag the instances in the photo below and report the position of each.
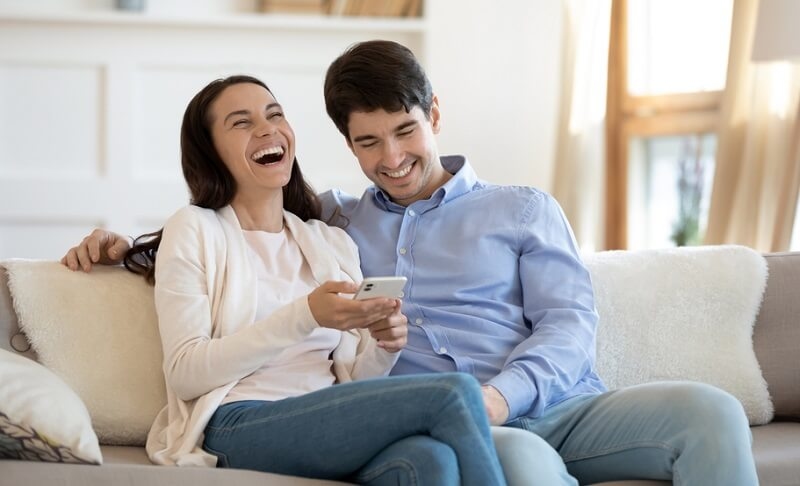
(463, 180)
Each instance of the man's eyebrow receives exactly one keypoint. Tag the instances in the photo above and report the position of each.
(361, 138)
(399, 128)
(405, 125)
(247, 112)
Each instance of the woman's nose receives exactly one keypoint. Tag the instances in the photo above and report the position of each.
(266, 128)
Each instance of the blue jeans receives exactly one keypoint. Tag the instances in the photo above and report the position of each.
(405, 430)
(689, 433)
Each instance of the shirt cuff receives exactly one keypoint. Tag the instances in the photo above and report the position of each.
(305, 316)
(518, 391)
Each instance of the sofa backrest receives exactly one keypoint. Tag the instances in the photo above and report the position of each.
(776, 336)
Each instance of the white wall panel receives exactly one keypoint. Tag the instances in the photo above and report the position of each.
(50, 120)
(40, 240)
(91, 106)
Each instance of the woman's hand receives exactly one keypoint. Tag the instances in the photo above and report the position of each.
(336, 312)
(392, 332)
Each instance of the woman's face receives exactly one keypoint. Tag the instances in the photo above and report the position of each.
(253, 139)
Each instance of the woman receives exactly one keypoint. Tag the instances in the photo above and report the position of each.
(255, 333)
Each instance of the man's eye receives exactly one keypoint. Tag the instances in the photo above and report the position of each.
(406, 132)
(276, 114)
(368, 144)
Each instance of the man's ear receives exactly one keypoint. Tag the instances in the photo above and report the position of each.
(435, 115)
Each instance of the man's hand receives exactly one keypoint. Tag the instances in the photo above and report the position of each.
(496, 406)
(103, 247)
(392, 332)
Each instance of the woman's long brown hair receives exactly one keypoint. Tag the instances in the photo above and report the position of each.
(211, 184)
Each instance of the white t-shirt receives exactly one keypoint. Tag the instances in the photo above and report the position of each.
(284, 275)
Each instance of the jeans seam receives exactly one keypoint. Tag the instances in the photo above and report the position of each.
(222, 458)
(315, 407)
(395, 464)
(614, 450)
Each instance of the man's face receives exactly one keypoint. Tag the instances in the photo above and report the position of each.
(397, 151)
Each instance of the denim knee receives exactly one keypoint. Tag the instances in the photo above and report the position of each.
(462, 383)
(706, 407)
(525, 455)
(414, 461)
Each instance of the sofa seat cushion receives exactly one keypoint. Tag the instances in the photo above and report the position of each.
(776, 447)
(31, 473)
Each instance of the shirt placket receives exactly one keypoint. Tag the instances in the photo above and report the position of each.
(412, 221)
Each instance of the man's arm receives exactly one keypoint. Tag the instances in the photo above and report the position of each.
(100, 246)
(558, 302)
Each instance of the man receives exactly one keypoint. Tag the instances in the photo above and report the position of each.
(496, 288)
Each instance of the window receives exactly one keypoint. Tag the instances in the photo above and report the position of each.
(667, 68)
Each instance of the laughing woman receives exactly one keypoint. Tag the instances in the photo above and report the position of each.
(266, 364)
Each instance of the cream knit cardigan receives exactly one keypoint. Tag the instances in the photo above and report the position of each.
(205, 297)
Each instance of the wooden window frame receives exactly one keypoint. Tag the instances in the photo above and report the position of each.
(630, 116)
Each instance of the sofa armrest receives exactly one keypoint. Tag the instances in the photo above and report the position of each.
(11, 337)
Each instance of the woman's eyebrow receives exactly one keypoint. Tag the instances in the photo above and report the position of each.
(236, 113)
(247, 112)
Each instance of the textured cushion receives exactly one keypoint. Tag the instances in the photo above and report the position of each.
(682, 314)
(41, 418)
(777, 334)
(99, 333)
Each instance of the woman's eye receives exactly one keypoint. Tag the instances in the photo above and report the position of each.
(239, 123)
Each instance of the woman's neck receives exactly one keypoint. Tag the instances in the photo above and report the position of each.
(260, 214)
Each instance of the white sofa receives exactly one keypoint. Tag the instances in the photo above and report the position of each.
(639, 297)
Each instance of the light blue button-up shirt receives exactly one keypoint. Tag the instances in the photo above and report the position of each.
(496, 287)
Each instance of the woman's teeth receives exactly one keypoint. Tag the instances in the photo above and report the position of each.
(399, 173)
(268, 155)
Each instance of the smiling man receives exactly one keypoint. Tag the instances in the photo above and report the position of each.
(496, 288)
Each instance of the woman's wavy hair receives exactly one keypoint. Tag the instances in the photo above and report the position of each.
(211, 184)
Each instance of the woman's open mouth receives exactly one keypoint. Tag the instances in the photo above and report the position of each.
(267, 156)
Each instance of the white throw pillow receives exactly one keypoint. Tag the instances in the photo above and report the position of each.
(99, 333)
(682, 314)
(41, 418)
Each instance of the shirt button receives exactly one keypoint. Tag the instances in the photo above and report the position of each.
(418, 321)
(402, 294)
(411, 212)
(402, 251)
(442, 350)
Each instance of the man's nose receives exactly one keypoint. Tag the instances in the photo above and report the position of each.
(394, 154)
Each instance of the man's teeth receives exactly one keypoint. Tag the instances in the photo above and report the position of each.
(399, 173)
(267, 151)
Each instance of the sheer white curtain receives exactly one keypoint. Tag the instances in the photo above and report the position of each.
(580, 154)
(756, 180)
